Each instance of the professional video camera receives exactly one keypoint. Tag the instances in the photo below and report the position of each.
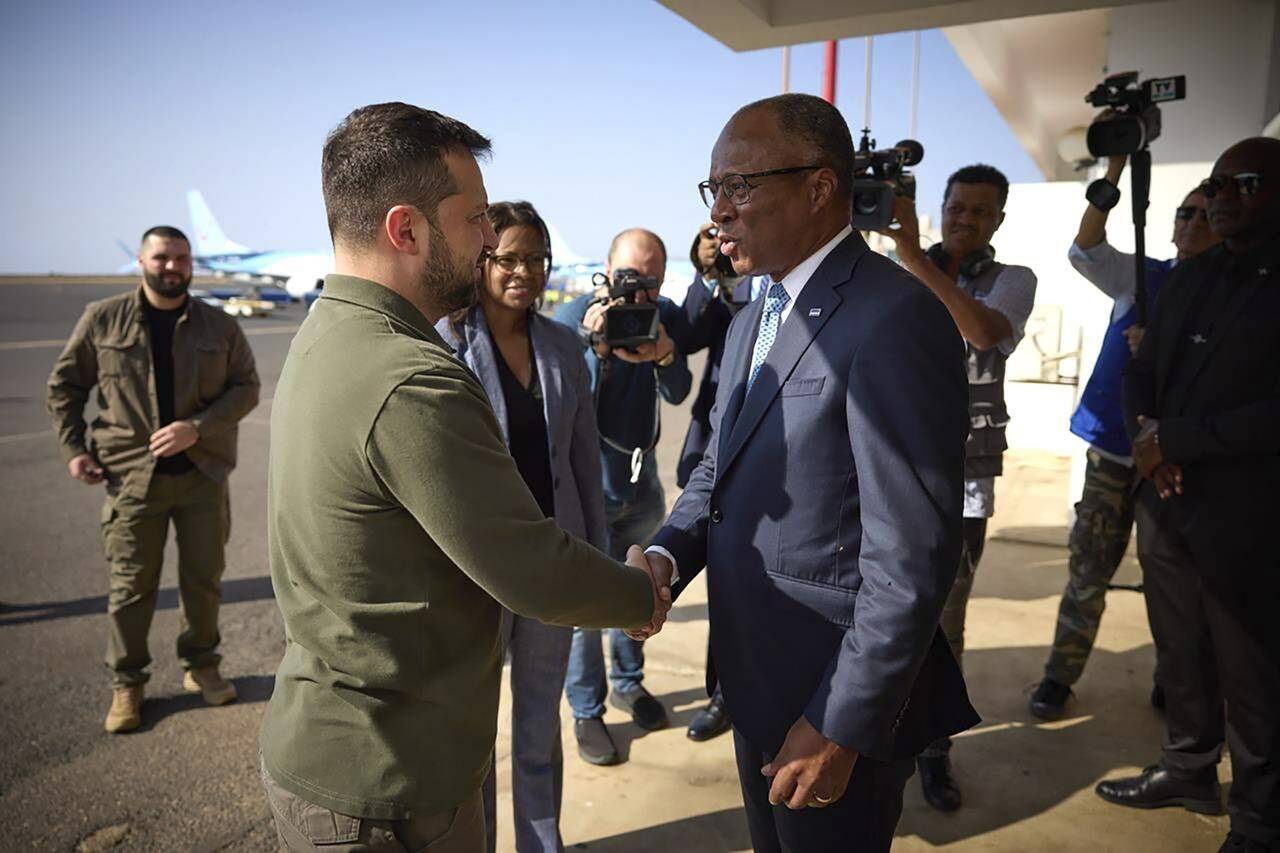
(1128, 129)
(629, 323)
(1135, 120)
(880, 175)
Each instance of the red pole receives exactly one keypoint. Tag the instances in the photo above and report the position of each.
(829, 76)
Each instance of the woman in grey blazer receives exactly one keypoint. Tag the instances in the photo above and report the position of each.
(534, 374)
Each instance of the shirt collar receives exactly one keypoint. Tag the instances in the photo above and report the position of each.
(377, 297)
(799, 277)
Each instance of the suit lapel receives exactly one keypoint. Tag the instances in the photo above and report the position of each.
(480, 353)
(814, 307)
(1243, 293)
(550, 379)
(734, 373)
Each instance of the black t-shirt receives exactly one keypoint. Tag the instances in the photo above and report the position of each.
(527, 432)
(161, 324)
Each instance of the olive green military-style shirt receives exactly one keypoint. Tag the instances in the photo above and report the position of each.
(215, 384)
(398, 523)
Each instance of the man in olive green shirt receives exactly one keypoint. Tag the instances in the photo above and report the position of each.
(174, 377)
(398, 522)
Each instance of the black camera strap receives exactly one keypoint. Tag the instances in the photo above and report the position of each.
(637, 454)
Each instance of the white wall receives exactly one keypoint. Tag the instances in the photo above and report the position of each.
(1226, 50)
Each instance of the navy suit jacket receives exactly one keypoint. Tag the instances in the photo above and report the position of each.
(703, 323)
(827, 512)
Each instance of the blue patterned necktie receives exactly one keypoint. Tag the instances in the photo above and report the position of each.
(775, 301)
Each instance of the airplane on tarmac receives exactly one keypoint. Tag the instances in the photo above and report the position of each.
(301, 273)
(297, 272)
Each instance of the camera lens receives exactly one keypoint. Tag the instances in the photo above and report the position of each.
(866, 203)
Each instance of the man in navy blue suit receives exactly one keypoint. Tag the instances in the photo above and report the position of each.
(827, 508)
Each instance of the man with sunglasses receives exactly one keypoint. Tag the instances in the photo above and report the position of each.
(1202, 404)
(1104, 514)
(826, 509)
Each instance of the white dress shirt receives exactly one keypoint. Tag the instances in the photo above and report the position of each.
(793, 284)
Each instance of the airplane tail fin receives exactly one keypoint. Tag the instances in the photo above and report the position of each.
(209, 238)
(132, 266)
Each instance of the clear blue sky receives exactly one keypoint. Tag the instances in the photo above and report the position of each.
(602, 114)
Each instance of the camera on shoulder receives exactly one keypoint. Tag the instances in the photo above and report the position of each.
(880, 175)
(629, 323)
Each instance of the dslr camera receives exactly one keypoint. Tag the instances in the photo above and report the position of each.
(880, 175)
(629, 323)
(1135, 118)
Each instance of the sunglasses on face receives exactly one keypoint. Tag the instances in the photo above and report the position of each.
(1188, 212)
(1246, 184)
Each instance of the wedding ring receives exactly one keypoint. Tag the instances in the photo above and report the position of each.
(818, 798)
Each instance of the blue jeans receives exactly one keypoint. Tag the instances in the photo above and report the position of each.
(630, 523)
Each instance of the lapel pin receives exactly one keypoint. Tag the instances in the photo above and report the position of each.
(1198, 339)
(815, 312)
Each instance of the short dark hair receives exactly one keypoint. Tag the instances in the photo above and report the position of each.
(980, 173)
(387, 154)
(644, 232)
(164, 232)
(819, 126)
(510, 214)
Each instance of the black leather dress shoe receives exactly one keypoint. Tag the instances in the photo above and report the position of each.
(710, 721)
(1050, 699)
(937, 784)
(643, 708)
(594, 744)
(1156, 788)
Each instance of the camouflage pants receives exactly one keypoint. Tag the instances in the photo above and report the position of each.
(1104, 520)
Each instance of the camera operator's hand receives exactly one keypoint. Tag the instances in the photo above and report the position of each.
(906, 237)
(708, 248)
(662, 350)
(1133, 336)
(593, 322)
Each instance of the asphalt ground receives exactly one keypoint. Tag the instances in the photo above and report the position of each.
(188, 779)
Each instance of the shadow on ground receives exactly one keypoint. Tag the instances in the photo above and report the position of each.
(722, 830)
(251, 689)
(234, 591)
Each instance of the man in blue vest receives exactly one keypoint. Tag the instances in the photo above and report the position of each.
(1104, 515)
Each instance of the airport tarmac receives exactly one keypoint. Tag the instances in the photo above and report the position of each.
(188, 779)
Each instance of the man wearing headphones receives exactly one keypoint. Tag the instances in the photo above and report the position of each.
(990, 303)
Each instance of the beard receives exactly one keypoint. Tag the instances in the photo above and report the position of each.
(167, 289)
(450, 282)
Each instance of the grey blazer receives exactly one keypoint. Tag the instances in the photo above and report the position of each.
(568, 407)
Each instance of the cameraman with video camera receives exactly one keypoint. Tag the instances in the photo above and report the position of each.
(990, 303)
(631, 360)
(1104, 515)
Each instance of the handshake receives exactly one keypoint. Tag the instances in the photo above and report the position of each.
(660, 571)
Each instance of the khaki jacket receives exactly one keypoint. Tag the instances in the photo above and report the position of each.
(398, 524)
(215, 385)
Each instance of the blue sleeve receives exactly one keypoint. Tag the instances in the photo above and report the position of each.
(675, 380)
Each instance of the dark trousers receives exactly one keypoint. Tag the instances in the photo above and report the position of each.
(956, 609)
(1211, 603)
(862, 821)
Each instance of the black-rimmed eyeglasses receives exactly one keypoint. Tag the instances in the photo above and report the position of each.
(532, 263)
(1246, 184)
(736, 187)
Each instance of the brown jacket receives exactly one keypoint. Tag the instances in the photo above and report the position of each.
(215, 385)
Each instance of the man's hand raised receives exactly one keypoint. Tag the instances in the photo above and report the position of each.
(809, 770)
(660, 571)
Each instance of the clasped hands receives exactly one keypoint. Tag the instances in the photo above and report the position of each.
(660, 572)
(1151, 462)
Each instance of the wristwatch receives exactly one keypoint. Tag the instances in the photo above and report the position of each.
(668, 359)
